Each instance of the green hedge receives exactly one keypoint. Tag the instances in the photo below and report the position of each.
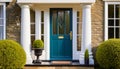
(12, 55)
(108, 54)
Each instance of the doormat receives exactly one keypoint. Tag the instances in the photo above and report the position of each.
(61, 62)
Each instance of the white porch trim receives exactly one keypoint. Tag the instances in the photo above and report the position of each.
(37, 24)
(56, 1)
(86, 33)
(47, 33)
(25, 31)
(5, 0)
(74, 41)
(4, 19)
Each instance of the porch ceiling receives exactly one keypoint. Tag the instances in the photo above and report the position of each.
(56, 1)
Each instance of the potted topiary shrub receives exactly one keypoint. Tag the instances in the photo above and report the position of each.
(108, 54)
(86, 55)
(38, 47)
(12, 55)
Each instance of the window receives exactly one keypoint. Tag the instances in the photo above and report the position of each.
(32, 16)
(33, 25)
(112, 18)
(79, 27)
(2, 21)
(42, 25)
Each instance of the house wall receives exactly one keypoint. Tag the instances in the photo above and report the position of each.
(97, 23)
(12, 21)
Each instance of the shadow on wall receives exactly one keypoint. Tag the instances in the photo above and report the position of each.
(96, 65)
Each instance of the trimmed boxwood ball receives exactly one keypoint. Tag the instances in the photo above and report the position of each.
(38, 44)
(12, 55)
(108, 54)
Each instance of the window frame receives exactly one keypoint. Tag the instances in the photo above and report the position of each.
(106, 18)
(4, 20)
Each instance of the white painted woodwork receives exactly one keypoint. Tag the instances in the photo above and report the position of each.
(37, 24)
(4, 20)
(5, 0)
(56, 1)
(86, 33)
(25, 31)
(74, 44)
(47, 33)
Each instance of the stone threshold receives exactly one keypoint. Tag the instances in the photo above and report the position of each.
(56, 63)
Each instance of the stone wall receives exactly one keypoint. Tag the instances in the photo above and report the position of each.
(13, 13)
(97, 23)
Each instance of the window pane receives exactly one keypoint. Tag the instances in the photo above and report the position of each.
(42, 16)
(1, 32)
(67, 21)
(1, 22)
(32, 39)
(32, 28)
(42, 28)
(32, 16)
(78, 43)
(117, 32)
(77, 16)
(110, 33)
(54, 19)
(111, 23)
(117, 11)
(79, 28)
(42, 38)
(110, 11)
(77, 13)
(61, 22)
(117, 23)
(1, 11)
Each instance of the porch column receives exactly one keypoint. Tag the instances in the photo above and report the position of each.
(86, 33)
(37, 24)
(25, 31)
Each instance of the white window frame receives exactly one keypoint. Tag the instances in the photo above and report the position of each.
(106, 18)
(4, 20)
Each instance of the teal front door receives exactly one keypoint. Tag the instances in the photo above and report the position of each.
(61, 34)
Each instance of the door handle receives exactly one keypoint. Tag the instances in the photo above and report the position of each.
(71, 35)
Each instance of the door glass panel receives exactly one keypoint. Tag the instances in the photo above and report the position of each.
(61, 22)
(54, 19)
(67, 21)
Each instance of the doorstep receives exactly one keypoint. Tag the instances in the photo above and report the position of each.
(58, 63)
